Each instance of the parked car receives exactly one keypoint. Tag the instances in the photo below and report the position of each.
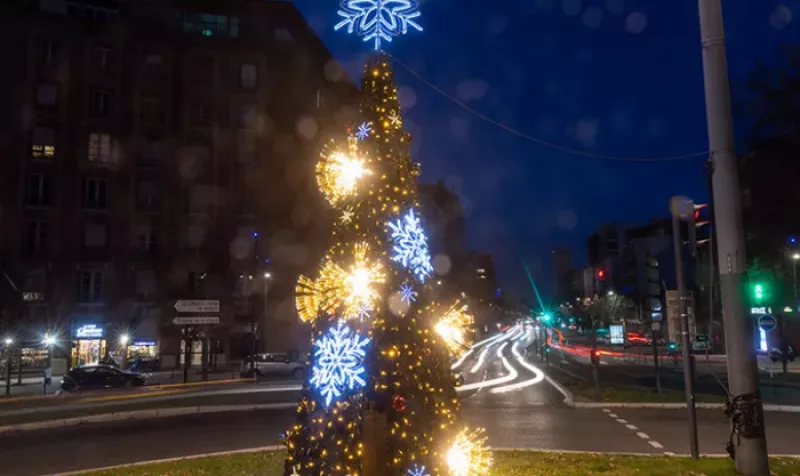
(274, 365)
(98, 377)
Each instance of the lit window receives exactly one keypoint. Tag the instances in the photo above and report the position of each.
(100, 148)
(44, 143)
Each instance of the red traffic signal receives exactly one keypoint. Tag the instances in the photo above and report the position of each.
(601, 274)
(595, 356)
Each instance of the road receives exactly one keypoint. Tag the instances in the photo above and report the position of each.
(504, 392)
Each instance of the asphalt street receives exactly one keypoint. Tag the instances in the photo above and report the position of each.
(504, 392)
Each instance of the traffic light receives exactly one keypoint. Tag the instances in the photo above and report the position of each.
(697, 222)
(547, 318)
(759, 292)
(601, 274)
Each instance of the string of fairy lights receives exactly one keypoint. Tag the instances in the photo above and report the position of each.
(382, 342)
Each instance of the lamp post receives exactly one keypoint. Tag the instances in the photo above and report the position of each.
(795, 259)
(123, 343)
(8, 342)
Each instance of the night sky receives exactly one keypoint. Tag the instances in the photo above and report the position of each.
(612, 77)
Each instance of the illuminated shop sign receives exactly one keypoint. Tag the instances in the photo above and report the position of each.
(89, 331)
(143, 343)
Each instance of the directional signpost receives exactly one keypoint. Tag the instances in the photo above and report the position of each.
(196, 320)
(197, 305)
(199, 310)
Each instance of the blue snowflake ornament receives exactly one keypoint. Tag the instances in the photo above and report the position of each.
(411, 245)
(338, 362)
(363, 131)
(407, 293)
(417, 471)
(378, 20)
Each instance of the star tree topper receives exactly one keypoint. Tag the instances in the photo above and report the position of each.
(339, 362)
(378, 20)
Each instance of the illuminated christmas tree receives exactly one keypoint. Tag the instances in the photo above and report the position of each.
(382, 344)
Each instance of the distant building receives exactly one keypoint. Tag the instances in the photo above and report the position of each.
(157, 151)
(606, 243)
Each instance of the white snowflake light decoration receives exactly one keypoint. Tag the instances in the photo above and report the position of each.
(347, 216)
(407, 293)
(418, 471)
(394, 119)
(411, 245)
(363, 131)
(378, 20)
(338, 362)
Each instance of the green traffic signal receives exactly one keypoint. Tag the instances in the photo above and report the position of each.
(758, 290)
(546, 318)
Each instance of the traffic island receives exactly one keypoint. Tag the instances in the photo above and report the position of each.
(581, 391)
(506, 463)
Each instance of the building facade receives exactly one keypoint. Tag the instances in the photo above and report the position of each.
(160, 151)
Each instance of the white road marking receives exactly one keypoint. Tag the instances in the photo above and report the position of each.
(669, 453)
(655, 444)
(606, 410)
(631, 427)
(642, 435)
(613, 415)
(620, 420)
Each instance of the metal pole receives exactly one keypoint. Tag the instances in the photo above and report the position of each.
(8, 369)
(794, 273)
(655, 361)
(749, 442)
(688, 368)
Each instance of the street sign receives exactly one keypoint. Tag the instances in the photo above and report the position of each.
(197, 305)
(767, 323)
(195, 320)
(656, 326)
(656, 316)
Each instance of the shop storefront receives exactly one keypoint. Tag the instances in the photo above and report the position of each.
(142, 349)
(89, 343)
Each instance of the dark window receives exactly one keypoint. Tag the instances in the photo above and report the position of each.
(200, 113)
(248, 75)
(101, 58)
(95, 194)
(147, 238)
(152, 151)
(147, 196)
(37, 235)
(46, 51)
(101, 103)
(38, 191)
(91, 286)
(194, 281)
(46, 95)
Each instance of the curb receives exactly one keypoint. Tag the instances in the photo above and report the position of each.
(768, 407)
(173, 460)
(140, 415)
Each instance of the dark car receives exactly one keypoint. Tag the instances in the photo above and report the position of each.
(99, 376)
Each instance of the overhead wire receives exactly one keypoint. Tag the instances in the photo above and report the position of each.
(537, 140)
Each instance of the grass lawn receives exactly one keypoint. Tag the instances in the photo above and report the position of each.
(510, 463)
(583, 391)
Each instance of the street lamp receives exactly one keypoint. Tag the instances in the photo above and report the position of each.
(8, 341)
(795, 259)
(49, 340)
(124, 338)
(610, 293)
